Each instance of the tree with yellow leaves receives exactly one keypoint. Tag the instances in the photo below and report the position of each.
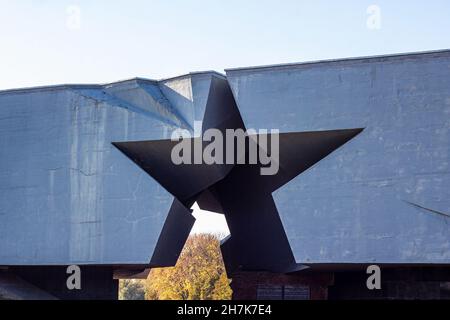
(198, 275)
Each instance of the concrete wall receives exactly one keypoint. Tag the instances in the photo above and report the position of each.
(67, 196)
(361, 203)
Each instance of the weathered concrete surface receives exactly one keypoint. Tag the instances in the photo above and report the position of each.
(356, 205)
(67, 196)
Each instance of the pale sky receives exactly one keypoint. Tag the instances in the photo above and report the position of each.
(42, 42)
(47, 42)
(207, 221)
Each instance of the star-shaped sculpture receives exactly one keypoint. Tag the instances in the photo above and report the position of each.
(257, 238)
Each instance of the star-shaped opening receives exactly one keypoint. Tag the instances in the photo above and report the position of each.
(239, 191)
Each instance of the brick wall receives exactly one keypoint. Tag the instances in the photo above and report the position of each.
(245, 284)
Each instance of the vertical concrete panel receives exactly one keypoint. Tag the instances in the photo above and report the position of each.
(355, 205)
(67, 195)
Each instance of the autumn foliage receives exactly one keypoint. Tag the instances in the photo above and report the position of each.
(198, 275)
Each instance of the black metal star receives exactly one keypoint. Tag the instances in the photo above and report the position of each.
(258, 240)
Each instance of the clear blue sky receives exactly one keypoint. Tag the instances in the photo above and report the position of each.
(157, 39)
(43, 42)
